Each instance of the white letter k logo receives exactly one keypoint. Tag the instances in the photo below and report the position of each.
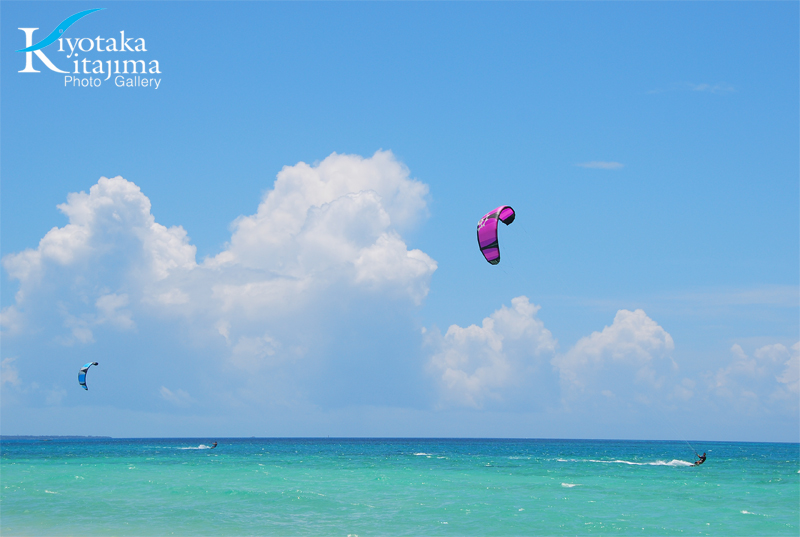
(29, 55)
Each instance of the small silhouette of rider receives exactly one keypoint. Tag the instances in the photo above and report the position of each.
(215, 445)
(700, 459)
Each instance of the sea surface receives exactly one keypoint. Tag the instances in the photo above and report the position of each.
(364, 487)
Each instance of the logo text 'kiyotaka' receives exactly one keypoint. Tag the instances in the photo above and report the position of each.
(102, 45)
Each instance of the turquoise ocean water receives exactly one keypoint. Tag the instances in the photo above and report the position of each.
(396, 487)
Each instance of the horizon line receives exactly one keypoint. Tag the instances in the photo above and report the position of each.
(96, 437)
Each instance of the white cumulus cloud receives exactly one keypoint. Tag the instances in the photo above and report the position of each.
(633, 350)
(475, 363)
(100, 222)
(753, 383)
(112, 243)
(334, 223)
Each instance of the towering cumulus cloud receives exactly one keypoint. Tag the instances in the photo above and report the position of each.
(338, 221)
(101, 223)
(324, 234)
(112, 247)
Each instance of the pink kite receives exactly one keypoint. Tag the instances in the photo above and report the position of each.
(487, 232)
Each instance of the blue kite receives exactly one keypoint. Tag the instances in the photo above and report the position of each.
(82, 374)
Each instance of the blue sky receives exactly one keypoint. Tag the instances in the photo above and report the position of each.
(279, 240)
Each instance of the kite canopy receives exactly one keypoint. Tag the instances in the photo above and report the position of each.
(487, 232)
(82, 374)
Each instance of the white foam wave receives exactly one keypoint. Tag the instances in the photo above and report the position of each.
(201, 446)
(673, 462)
(569, 485)
(422, 454)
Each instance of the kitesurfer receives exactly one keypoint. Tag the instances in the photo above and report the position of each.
(700, 459)
(213, 445)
